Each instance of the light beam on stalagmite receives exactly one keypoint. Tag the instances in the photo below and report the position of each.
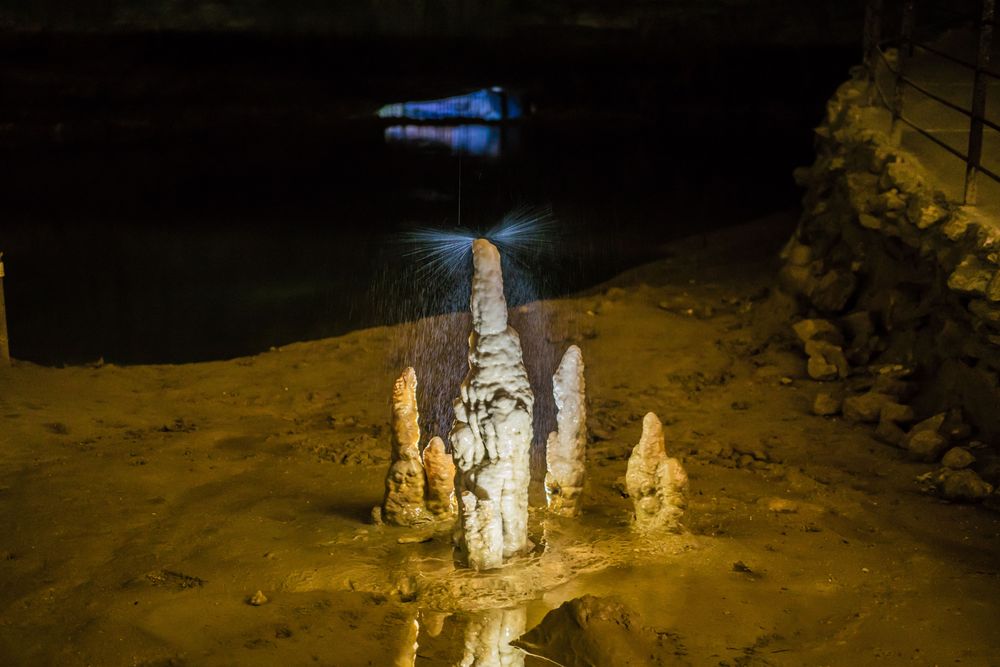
(491, 436)
(656, 483)
(566, 446)
(440, 470)
(404, 483)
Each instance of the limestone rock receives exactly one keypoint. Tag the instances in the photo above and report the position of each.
(925, 445)
(492, 433)
(971, 276)
(993, 289)
(440, 469)
(957, 458)
(889, 433)
(816, 329)
(589, 631)
(826, 404)
(404, 483)
(964, 485)
(826, 361)
(833, 290)
(933, 423)
(897, 413)
(566, 446)
(657, 484)
(865, 408)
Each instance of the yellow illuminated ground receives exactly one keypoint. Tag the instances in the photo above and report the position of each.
(143, 506)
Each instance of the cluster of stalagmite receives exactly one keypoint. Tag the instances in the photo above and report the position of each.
(488, 469)
(416, 488)
(492, 433)
(656, 483)
(566, 446)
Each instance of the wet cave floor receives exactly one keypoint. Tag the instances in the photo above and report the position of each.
(144, 506)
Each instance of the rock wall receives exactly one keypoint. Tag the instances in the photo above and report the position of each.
(904, 274)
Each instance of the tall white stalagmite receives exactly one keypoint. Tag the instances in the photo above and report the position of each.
(656, 483)
(404, 483)
(491, 436)
(566, 446)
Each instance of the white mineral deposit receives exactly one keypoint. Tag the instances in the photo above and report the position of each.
(656, 483)
(566, 446)
(491, 436)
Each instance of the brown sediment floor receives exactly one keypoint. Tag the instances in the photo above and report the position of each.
(143, 506)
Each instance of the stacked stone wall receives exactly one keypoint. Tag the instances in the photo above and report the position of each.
(909, 278)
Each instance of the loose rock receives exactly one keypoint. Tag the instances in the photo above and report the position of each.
(826, 405)
(964, 485)
(957, 458)
(865, 408)
(925, 445)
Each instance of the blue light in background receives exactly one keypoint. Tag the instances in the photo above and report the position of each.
(491, 104)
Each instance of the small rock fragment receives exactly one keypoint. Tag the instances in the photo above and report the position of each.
(826, 404)
(257, 599)
(782, 506)
(826, 361)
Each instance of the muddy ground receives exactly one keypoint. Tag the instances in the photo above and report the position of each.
(143, 507)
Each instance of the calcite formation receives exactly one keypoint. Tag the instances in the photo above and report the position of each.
(404, 483)
(440, 469)
(492, 433)
(656, 483)
(566, 446)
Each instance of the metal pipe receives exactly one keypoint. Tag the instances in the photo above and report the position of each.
(975, 151)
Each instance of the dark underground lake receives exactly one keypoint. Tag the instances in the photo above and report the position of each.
(175, 198)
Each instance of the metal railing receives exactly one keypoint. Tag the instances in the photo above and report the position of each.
(875, 43)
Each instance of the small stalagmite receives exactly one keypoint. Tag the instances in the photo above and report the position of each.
(656, 483)
(566, 446)
(492, 432)
(404, 483)
(440, 470)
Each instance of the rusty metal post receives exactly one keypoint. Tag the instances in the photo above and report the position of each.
(975, 152)
(905, 47)
(4, 341)
(873, 32)
(871, 38)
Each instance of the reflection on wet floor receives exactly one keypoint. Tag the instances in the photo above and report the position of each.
(487, 141)
(466, 639)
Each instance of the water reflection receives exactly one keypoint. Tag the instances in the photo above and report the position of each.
(488, 636)
(463, 639)
(476, 140)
